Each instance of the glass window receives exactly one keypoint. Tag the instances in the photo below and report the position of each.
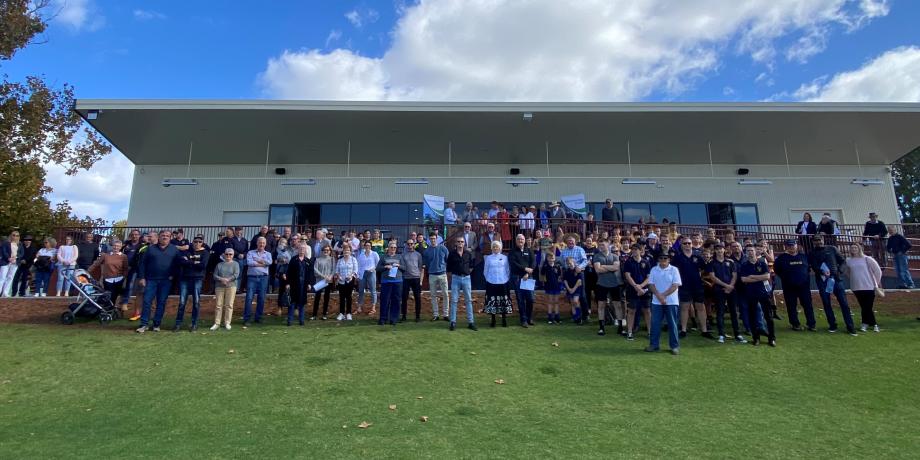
(662, 211)
(632, 212)
(366, 216)
(721, 213)
(280, 216)
(335, 214)
(746, 214)
(416, 216)
(693, 214)
(393, 220)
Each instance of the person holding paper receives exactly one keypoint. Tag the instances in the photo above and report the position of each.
(825, 262)
(389, 271)
(521, 259)
(460, 263)
(497, 271)
(323, 271)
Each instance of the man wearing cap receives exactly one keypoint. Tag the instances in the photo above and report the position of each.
(690, 262)
(723, 272)
(792, 268)
(825, 262)
(21, 278)
(556, 216)
(878, 231)
(664, 281)
(653, 246)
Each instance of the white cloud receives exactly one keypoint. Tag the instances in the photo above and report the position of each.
(334, 36)
(78, 14)
(893, 76)
(360, 17)
(148, 15)
(102, 192)
(551, 50)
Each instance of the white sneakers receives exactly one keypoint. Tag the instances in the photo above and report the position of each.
(340, 317)
(864, 327)
(348, 317)
(721, 339)
(215, 327)
(876, 329)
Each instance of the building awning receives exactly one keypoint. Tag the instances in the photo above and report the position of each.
(309, 132)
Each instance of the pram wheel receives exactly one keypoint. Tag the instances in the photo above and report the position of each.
(105, 318)
(116, 314)
(67, 318)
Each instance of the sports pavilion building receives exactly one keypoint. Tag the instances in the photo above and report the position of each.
(250, 162)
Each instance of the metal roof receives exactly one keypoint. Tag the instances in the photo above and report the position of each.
(333, 132)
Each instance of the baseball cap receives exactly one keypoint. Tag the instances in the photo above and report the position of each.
(791, 242)
(652, 235)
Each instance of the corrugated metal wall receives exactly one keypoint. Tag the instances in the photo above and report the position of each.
(245, 188)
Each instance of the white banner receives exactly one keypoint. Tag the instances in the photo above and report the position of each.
(576, 203)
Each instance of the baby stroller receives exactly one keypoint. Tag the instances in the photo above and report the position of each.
(93, 301)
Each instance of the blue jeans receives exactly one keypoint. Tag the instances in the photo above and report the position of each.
(841, 294)
(458, 284)
(187, 287)
(900, 267)
(300, 307)
(659, 312)
(158, 289)
(390, 297)
(524, 300)
(63, 279)
(129, 285)
(256, 285)
(42, 279)
(239, 279)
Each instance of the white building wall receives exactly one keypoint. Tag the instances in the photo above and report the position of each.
(247, 188)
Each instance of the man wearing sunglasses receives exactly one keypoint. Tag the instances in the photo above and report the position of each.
(689, 262)
(193, 264)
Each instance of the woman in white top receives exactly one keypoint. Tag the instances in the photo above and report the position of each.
(497, 271)
(865, 277)
(346, 272)
(44, 265)
(67, 261)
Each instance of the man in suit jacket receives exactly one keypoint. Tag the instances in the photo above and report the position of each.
(470, 238)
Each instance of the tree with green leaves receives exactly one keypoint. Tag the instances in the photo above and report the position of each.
(37, 127)
(906, 174)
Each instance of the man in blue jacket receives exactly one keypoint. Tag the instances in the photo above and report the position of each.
(156, 271)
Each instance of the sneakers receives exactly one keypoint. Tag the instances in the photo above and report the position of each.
(141, 330)
(796, 328)
(215, 327)
(675, 351)
(549, 322)
(630, 337)
(772, 343)
(472, 327)
(340, 317)
(134, 318)
(601, 332)
(721, 339)
(812, 329)
(435, 318)
(863, 327)
(312, 318)
(156, 328)
(324, 317)
(832, 330)
(348, 317)
(876, 329)
(227, 326)
(740, 339)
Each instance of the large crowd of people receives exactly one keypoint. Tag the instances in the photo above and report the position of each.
(622, 275)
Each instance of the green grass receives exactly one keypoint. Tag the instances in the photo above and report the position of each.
(92, 393)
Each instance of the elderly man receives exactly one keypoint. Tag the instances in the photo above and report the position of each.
(156, 271)
(257, 263)
(521, 259)
(664, 281)
(435, 261)
(469, 214)
(450, 214)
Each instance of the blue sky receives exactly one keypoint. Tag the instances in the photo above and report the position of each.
(613, 50)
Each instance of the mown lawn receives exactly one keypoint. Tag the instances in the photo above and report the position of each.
(301, 392)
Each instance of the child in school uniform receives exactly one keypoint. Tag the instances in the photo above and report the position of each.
(551, 272)
(573, 287)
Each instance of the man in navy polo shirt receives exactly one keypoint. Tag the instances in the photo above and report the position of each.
(636, 270)
(754, 273)
(724, 274)
(690, 262)
(792, 268)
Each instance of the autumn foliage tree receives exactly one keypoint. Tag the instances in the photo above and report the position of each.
(37, 127)
(906, 174)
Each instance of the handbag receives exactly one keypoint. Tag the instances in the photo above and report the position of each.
(284, 300)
